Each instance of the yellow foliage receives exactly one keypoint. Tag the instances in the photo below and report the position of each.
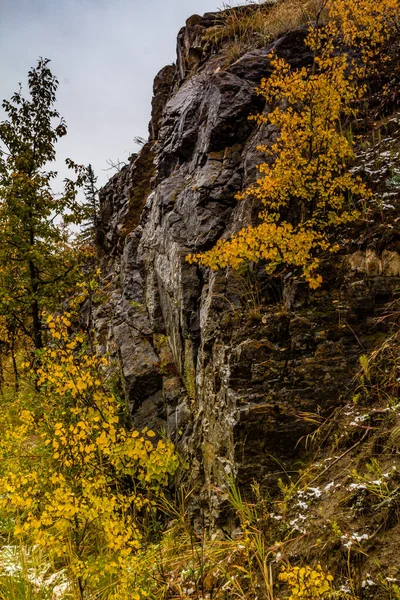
(74, 479)
(306, 185)
(363, 24)
(307, 582)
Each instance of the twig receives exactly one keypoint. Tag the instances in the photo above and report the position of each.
(339, 458)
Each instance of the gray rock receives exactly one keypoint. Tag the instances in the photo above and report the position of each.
(256, 64)
(196, 350)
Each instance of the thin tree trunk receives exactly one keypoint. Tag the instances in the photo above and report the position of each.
(14, 363)
(36, 322)
(1, 374)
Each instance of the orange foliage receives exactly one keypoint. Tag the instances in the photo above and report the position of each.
(308, 189)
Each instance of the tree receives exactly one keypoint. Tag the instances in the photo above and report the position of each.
(306, 186)
(36, 262)
(91, 207)
(73, 480)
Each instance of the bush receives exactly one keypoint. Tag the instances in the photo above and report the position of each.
(306, 187)
(75, 481)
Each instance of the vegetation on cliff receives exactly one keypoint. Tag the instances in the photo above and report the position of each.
(75, 480)
(78, 485)
(306, 185)
(87, 509)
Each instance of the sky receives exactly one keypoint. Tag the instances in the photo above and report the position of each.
(105, 54)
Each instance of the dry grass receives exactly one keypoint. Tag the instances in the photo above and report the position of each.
(186, 565)
(243, 28)
(289, 14)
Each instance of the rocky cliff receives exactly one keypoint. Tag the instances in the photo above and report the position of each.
(229, 363)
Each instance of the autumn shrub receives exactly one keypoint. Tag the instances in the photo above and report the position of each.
(74, 480)
(363, 25)
(306, 185)
(307, 582)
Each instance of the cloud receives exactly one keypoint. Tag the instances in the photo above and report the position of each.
(105, 56)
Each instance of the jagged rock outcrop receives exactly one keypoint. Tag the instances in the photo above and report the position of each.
(228, 362)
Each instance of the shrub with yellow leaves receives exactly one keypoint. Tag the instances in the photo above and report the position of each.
(307, 187)
(307, 582)
(75, 480)
(363, 24)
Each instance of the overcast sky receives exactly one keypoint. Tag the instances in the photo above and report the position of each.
(105, 54)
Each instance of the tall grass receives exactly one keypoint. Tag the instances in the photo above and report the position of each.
(28, 574)
(243, 28)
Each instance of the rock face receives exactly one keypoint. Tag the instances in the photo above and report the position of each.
(229, 363)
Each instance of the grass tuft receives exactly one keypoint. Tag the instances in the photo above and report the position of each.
(244, 28)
